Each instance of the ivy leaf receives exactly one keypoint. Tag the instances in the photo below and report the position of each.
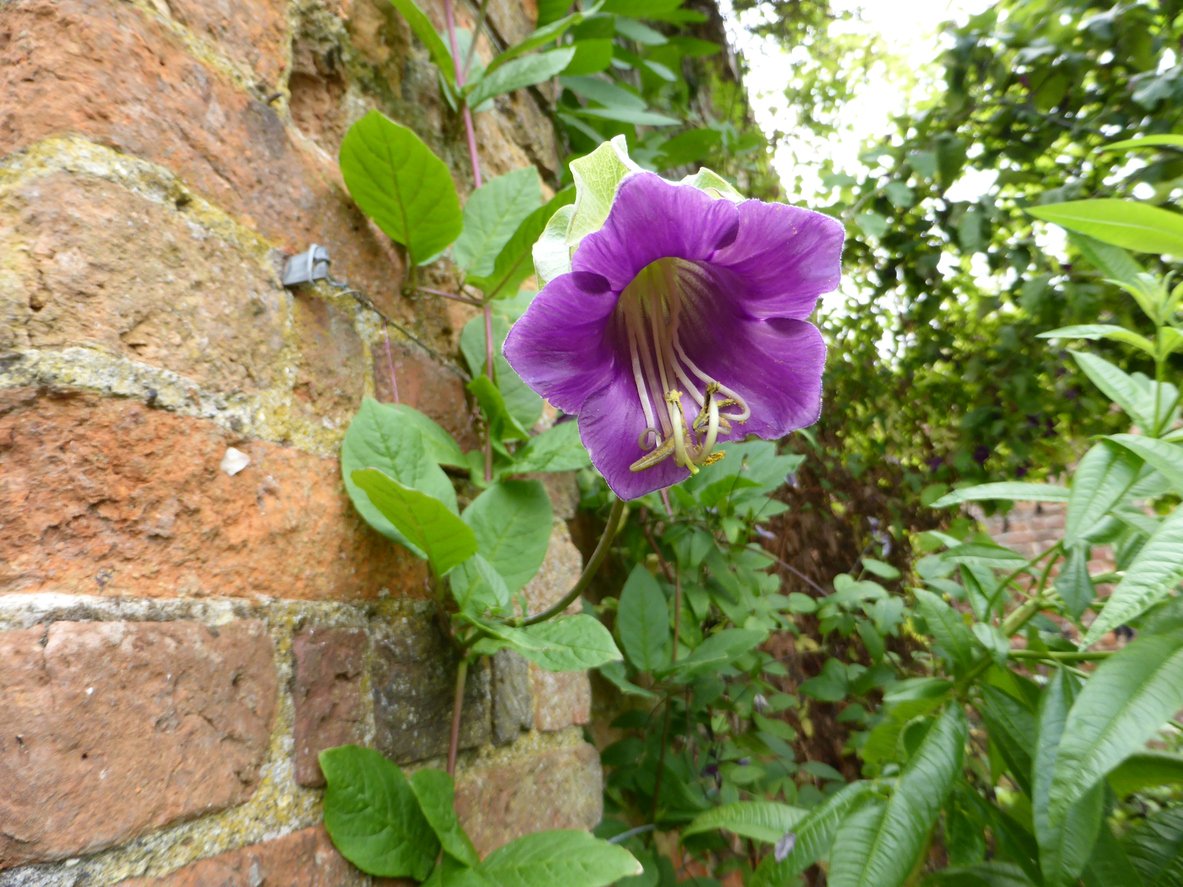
(426, 522)
(397, 181)
(518, 74)
(880, 843)
(563, 857)
(1125, 701)
(512, 523)
(765, 821)
(373, 816)
(1125, 223)
(436, 795)
(491, 216)
(643, 621)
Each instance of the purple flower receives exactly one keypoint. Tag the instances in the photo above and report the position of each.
(681, 324)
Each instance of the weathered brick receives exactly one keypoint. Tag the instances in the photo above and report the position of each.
(252, 34)
(305, 858)
(104, 496)
(330, 364)
(413, 683)
(513, 708)
(556, 789)
(109, 729)
(114, 74)
(559, 571)
(426, 385)
(98, 266)
(326, 687)
(561, 699)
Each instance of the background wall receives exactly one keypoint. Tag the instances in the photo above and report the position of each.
(178, 639)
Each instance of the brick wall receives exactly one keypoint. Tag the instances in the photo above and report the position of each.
(177, 641)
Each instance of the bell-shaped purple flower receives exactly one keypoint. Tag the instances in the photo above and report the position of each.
(681, 324)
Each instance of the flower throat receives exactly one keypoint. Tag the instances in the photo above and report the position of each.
(653, 309)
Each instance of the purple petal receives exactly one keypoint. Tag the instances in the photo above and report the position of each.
(782, 258)
(610, 423)
(653, 219)
(560, 346)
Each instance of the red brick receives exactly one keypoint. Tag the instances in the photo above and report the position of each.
(114, 74)
(550, 790)
(305, 858)
(326, 687)
(426, 385)
(109, 729)
(253, 34)
(101, 267)
(105, 496)
(330, 364)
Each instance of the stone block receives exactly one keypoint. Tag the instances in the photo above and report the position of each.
(554, 789)
(561, 699)
(106, 496)
(110, 729)
(305, 858)
(254, 35)
(513, 708)
(330, 363)
(326, 689)
(98, 266)
(414, 679)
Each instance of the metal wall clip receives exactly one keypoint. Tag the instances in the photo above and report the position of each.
(308, 267)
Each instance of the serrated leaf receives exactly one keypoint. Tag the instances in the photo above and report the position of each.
(1125, 223)
(1099, 483)
(561, 858)
(1152, 576)
(556, 449)
(512, 522)
(947, 626)
(1112, 261)
(643, 621)
(1064, 845)
(1094, 331)
(1008, 491)
(478, 588)
(879, 845)
(385, 437)
(425, 521)
(1073, 584)
(1119, 386)
(1155, 847)
(1164, 456)
(1123, 704)
(423, 28)
(720, 649)
(491, 215)
(372, 815)
(765, 821)
(518, 74)
(436, 795)
(397, 181)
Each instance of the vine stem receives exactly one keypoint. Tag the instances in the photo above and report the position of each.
(615, 518)
(457, 709)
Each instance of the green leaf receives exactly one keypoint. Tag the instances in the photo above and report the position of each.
(515, 261)
(561, 858)
(596, 177)
(1151, 577)
(814, 836)
(880, 844)
(1166, 457)
(373, 816)
(398, 182)
(1123, 704)
(1064, 845)
(1009, 491)
(985, 874)
(1155, 847)
(430, 38)
(556, 449)
(385, 437)
(603, 91)
(478, 588)
(1146, 770)
(765, 821)
(565, 643)
(491, 216)
(720, 649)
(1173, 141)
(522, 408)
(643, 621)
(502, 424)
(1120, 387)
(518, 74)
(512, 522)
(948, 627)
(1109, 865)
(1099, 483)
(436, 795)
(880, 568)
(1113, 262)
(548, 33)
(1094, 331)
(1073, 584)
(425, 521)
(1125, 223)
(635, 116)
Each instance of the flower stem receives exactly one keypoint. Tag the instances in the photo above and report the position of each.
(589, 571)
(457, 709)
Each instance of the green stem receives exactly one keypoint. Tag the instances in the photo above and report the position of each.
(457, 709)
(615, 518)
(1061, 655)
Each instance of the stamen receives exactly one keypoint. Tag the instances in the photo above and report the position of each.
(649, 438)
(673, 399)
